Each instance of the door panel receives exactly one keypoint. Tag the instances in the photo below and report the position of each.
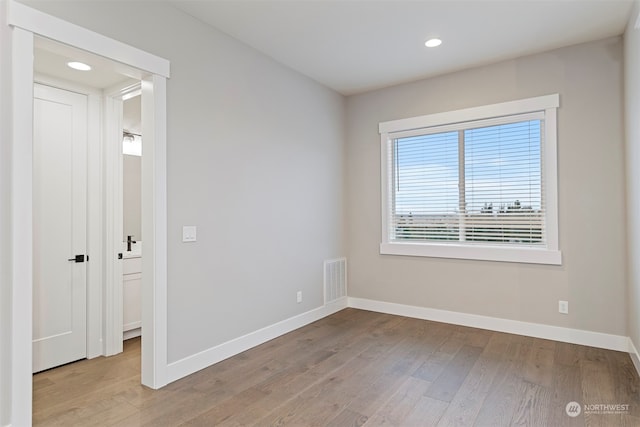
(60, 225)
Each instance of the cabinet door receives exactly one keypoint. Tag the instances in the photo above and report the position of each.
(132, 315)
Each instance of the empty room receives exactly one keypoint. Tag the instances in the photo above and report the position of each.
(320, 213)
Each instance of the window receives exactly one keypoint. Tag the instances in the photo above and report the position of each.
(478, 183)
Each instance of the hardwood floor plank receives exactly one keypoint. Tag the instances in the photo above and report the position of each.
(501, 402)
(567, 387)
(94, 410)
(344, 384)
(539, 365)
(507, 386)
(312, 379)
(625, 378)
(533, 408)
(80, 381)
(426, 412)
(498, 346)
(430, 369)
(478, 337)
(301, 411)
(449, 381)
(348, 418)
(467, 402)
(226, 409)
(392, 371)
(598, 388)
(569, 354)
(400, 404)
(355, 368)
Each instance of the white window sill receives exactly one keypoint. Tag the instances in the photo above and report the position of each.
(483, 253)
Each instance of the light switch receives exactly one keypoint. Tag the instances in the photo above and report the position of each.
(189, 233)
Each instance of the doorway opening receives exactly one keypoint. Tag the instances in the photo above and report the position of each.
(152, 72)
(94, 282)
(132, 215)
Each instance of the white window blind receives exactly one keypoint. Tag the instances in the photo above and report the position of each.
(471, 183)
(481, 183)
(503, 184)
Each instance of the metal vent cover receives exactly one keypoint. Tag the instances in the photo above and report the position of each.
(335, 279)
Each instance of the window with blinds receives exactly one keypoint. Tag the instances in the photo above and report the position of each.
(479, 183)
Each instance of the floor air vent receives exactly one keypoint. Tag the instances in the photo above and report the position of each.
(335, 279)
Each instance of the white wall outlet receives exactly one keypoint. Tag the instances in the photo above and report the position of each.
(563, 307)
(299, 297)
(189, 233)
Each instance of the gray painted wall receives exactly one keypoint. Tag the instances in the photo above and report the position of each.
(632, 114)
(255, 159)
(588, 78)
(132, 197)
(132, 173)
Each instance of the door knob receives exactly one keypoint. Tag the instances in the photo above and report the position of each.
(78, 258)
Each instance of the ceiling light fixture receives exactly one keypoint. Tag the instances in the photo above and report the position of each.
(79, 66)
(433, 42)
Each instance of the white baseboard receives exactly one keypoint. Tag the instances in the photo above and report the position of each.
(555, 333)
(131, 333)
(635, 357)
(198, 361)
(206, 358)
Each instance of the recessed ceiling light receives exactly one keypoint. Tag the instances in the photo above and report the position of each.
(79, 66)
(433, 42)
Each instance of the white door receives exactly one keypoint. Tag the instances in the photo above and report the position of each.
(59, 227)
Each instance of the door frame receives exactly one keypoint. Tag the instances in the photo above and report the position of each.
(114, 292)
(24, 23)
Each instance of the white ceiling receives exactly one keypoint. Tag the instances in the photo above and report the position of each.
(358, 45)
(50, 58)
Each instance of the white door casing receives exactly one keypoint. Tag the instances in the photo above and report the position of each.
(59, 227)
(113, 314)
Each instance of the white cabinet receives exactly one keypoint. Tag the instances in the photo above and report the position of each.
(132, 265)
(132, 283)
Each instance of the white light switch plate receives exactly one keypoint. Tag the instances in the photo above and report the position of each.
(189, 233)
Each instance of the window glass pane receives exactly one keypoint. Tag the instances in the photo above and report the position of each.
(426, 187)
(496, 197)
(503, 183)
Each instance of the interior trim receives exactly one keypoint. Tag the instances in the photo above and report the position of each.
(528, 329)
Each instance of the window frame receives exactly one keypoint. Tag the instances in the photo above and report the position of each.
(548, 254)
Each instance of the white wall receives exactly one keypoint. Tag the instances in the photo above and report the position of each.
(588, 78)
(132, 197)
(632, 122)
(5, 222)
(132, 173)
(255, 160)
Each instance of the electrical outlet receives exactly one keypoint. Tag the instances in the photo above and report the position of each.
(299, 297)
(563, 307)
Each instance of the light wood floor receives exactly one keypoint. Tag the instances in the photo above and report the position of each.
(356, 368)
